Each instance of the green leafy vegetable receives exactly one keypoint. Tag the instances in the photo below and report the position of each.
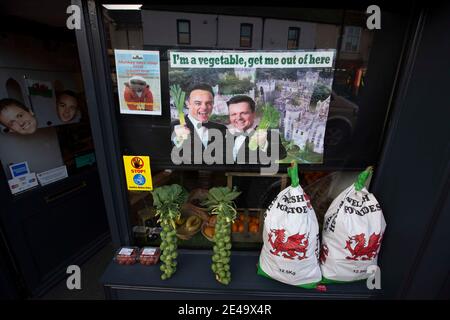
(220, 202)
(179, 98)
(269, 120)
(168, 201)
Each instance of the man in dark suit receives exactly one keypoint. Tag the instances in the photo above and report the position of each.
(242, 115)
(198, 133)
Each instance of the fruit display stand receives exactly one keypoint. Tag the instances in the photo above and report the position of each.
(250, 231)
(247, 234)
(194, 278)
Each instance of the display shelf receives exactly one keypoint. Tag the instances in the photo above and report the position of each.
(195, 280)
(198, 241)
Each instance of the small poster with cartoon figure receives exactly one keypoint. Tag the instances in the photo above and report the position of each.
(138, 81)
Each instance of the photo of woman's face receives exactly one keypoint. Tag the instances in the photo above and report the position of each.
(18, 120)
(67, 107)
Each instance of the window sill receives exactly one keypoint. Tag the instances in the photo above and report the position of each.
(194, 277)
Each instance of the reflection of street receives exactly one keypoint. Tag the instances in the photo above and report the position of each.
(341, 124)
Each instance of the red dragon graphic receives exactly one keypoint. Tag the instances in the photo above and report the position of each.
(308, 200)
(360, 251)
(323, 253)
(295, 245)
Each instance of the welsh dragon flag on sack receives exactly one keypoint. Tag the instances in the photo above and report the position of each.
(352, 232)
(291, 238)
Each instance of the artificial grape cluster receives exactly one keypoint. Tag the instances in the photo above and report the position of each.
(220, 202)
(222, 251)
(169, 250)
(168, 201)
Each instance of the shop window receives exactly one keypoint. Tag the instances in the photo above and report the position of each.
(349, 133)
(352, 36)
(184, 31)
(47, 123)
(246, 35)
(293, 38)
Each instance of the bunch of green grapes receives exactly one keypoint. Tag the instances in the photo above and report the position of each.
(168, 201)
(220, 202)
(222, 250)
(169, 249)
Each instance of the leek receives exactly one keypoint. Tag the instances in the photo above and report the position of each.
(269, 120)
(178, 97)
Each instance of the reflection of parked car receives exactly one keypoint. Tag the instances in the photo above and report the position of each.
(341, 122)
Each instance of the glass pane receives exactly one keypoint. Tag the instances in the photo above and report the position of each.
(359, 95)
(183, 26)
(293, 34)
(245, 42)
(350, 31)
(184, 38)
(292, 44)
(246, 31)
(44, 118)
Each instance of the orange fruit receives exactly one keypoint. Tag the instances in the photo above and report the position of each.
(209, 232)
(241, 227)
(253, 228)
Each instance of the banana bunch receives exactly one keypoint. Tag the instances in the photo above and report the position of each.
(193, 223)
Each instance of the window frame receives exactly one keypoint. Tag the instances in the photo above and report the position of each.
(251, 35)
(297, 40)
(179, 32)
(347, 38)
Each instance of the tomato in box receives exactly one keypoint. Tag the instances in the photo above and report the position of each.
(126, 255)
(149, 255)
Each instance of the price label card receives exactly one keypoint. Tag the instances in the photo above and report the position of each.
(149, 251)
(126, 251)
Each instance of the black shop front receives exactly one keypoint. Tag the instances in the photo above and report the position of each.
(377, 104)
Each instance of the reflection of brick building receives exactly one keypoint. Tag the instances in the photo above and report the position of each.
(353, 55)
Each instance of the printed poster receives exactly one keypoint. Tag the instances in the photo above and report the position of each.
(296, 83)
(138, 81)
